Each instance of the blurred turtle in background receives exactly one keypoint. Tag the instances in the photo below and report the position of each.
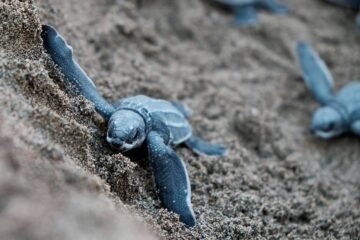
(353, 4)
(339, 113)
(246, 10)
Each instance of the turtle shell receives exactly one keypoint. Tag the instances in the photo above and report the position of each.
(164, 111)
(349, 97)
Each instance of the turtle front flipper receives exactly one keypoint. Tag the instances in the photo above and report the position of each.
(358, 21)
(245, 15)
(171, 178)
(200, 146)
(316, 75)
(62, 54)
(274, 6)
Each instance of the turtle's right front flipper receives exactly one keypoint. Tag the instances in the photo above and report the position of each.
(171, 178)
(316, 75)
(62, 54)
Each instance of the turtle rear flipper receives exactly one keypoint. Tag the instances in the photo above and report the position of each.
(316, 75)
(171, 178)
(200, 146)
(62, 54)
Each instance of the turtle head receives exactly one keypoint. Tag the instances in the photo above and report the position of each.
(327, 122)
(126, 130)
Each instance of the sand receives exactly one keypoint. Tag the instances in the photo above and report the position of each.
(59, 179)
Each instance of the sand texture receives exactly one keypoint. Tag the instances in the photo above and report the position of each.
(59, 179)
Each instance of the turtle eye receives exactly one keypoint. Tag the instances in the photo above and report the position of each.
(133, 135)
(136, 135)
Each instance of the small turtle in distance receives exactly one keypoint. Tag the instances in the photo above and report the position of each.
(245, 10)
(339, 113)
(353, 4)
(139, 120)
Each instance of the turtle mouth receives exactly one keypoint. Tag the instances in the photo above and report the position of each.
(126, 147)
(121, 145)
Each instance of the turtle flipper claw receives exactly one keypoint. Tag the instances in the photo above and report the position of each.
(316, 75)
(171, 179)
(200, 146)
(62, 54)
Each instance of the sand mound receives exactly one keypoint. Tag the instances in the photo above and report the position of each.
(60, 180)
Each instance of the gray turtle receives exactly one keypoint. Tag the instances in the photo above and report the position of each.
(354, 4)
(136, 120)
(245, 10)
(338, 113)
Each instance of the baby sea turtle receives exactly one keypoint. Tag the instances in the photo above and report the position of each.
(245, 10)
(354, 4)
(136, 120)
(338, 113)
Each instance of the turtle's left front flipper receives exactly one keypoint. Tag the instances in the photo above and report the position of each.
(200, 146)
(171, 179)
(62, 54)
(316, 75)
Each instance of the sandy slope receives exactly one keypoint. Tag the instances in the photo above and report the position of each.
(60, 180)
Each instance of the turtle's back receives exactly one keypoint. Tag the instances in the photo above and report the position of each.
(164, 111)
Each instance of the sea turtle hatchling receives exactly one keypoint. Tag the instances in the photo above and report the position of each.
(245, 10)
(338, 113)
(354, 4)
(136, 120)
